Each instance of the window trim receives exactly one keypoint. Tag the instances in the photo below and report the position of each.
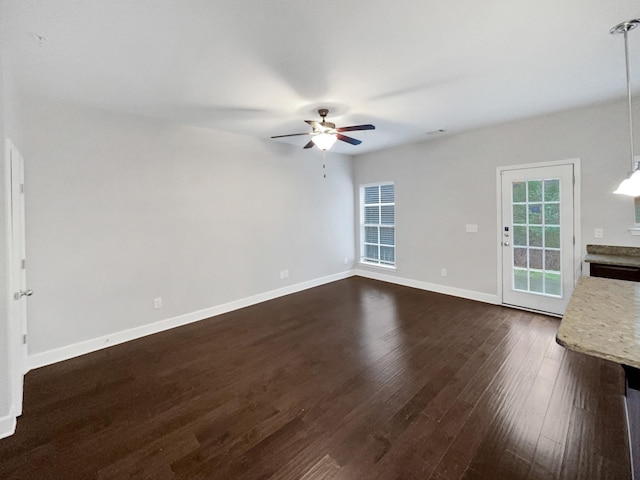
(362, 259)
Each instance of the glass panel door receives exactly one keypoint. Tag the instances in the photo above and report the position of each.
(537, 237)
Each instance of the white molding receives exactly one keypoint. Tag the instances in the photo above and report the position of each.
(431, 287)
(81, 348)
(577, 219)
(7, 425)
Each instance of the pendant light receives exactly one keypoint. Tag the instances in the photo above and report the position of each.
(631, 185)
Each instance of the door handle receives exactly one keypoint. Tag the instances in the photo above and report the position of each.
(506, 244)
(22, 293)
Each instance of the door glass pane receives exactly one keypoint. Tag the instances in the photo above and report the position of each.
(535, 282)
(535, 191)
(536, 236)
(535, 258)
(552, 190)
(520, 257)
(552, 285)
(552, 260)
(519, 192)
(552, 214)
(520, 279)
(552, 237)
(519, 214)
(535, 214)
(520, 235)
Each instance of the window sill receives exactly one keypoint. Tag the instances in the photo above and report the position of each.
(634, 231)
(377, 265)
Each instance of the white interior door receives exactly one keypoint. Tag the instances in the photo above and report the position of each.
(537, 237)
(17, 274)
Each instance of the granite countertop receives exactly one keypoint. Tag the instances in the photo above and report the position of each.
(603, 320)
(613, 255)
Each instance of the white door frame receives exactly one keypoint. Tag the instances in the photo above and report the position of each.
(16, 274)
(577, 195)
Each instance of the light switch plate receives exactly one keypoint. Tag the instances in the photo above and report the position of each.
(472, 228)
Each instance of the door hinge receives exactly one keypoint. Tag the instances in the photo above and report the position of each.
(23, 264)
(24, 339)
(22, 188)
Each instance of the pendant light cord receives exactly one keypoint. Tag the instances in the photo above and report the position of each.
(634, 167)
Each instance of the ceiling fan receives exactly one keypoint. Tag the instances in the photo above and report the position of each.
(325, 133)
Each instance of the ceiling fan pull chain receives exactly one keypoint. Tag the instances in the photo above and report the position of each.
(324, 163)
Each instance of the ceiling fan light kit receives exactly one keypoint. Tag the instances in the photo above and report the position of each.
(324, 141)
(631, 185)
(325, 134)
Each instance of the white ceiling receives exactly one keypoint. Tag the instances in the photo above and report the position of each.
(261, 67)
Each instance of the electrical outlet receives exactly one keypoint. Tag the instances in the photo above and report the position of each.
(598, 233)
(157, 302)
(471, 228)
(443, 272)
(346, 260)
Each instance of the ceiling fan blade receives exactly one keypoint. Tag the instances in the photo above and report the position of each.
(291, 135)
(350, 140)
(314, 124)
(310, 144)
(356, 127)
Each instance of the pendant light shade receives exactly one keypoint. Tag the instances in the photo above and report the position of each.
(629, 186)
(324, 141)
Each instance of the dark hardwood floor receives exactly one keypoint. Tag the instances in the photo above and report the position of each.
(356, 379)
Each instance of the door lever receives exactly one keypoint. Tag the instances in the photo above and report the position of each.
(22, 293)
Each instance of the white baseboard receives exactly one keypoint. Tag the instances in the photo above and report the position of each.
(7, 425)
(81, 348)
(431, 287)
(75, 350)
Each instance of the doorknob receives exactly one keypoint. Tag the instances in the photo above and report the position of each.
(506, 244)
(22, 293)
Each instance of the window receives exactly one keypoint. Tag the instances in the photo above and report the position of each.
(378, 219)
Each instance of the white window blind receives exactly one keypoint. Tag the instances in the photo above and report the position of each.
(378, 235)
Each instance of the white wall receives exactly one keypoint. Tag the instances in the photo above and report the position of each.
(122, 209)
(443, 184)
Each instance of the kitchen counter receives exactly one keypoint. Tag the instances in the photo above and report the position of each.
(613, 255)
(603, 320)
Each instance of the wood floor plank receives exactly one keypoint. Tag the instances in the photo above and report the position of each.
(353, 379)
